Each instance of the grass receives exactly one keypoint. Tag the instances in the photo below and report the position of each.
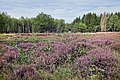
(86, 35)
(117, 55)
(31, 39)
(2, 36)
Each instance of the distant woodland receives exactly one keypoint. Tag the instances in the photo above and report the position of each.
(90, 22)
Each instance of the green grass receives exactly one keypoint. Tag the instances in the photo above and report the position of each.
(3, 36)
(85, 35)
(31, 39)
(117, 56)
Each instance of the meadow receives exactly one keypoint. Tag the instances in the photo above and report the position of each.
(60, 56)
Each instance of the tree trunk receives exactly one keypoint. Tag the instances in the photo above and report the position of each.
(103, 22)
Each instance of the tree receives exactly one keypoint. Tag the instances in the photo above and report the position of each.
(2, 23)
(114, 23)
(25, 25)
(7, 22)
(60, 24)
(14, 25)
(77, 20)
(91, 21)
(118, 25)
(68, 27)
(43, 23)
(79, 27)
(103, 22)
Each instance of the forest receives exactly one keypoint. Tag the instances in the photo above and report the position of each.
(90, 22)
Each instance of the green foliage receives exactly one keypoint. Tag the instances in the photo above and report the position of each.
(92, 21)
(1, 77)
(25, 25)
(24, 57)
(63, 73)
(2, 23)
(60, 24)
(43, 23)
(46, 23)
(114, 23)
(79, 27)
(2, 49)
(47, 48)
(81, 51)
(77, 20)
(3, 36)
(67, 27)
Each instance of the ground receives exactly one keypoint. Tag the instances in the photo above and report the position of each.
(60, 56)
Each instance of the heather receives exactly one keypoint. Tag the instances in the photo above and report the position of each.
(61, 57)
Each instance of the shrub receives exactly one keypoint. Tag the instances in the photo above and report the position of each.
(99, 59)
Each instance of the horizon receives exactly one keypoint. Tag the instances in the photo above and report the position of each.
(58, 9)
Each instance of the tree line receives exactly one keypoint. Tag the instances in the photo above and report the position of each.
(90, 22)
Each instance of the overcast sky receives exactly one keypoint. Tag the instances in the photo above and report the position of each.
(65, 9)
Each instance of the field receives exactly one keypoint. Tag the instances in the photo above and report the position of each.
(55, 56)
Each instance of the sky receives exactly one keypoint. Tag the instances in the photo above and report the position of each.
(61, 9)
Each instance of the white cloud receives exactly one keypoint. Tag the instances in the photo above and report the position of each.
(103, 9)
(66, 9)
